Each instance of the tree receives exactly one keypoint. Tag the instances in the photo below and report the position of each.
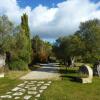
(6, 33)
(41, 49)
(36, 47)
(16, 43)
(85, 43)
(22, 57)
(24, 25)
(68, 48)
(26, 34)
(89, 33)
(45, 52)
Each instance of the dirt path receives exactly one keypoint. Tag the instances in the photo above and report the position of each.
(47, 71)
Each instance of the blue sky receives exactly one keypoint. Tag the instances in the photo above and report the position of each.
(34, 3)
(48, 3)
(95, 1)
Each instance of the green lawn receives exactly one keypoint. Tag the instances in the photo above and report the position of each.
(11, 80)
(67, 89)
(64, 89)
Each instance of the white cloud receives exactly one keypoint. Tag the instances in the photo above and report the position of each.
(53, 22)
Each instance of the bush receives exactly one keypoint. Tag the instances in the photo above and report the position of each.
(18, 65)
(1, 69)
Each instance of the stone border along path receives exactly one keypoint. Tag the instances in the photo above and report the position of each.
(26, 90)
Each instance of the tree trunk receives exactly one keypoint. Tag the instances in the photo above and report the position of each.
(71, 61)
(65, 62)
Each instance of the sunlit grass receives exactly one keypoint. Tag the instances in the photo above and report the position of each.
(15, 74)
(69, 89)
(10, 80)
(64, 89)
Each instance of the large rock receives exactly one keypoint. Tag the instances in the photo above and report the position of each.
(2, 64)
(87, 74)
(96, 68)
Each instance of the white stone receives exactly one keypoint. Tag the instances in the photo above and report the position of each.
(22, 90)
(96, 68)
(43, 87)
(32, 92)
(38, 84)
(47, 84)
(2, 75)
(16, 98)
(21, 85)
(16, 89)
(41, 82)
(26, 82)
(27, 97)
(2, 60)
(8, 92)
(26, 87)
(18, 93)
(37, 96)
(6, 96)
(33, 81)
(31, 85)
(88, 71)
(86, 80)
(33, 88)
(41, 91)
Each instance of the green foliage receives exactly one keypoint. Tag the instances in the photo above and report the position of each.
(6, 32)
(90, 34)
(66, 48)
(24, 25)
(41, 49)
(84, 44)
(9, 43)
(26, 38)
(18, 65)
(16, 42)
(22, 47)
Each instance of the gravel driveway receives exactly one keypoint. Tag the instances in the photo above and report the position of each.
(47, 71)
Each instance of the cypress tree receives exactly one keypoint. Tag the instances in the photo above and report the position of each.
(26, 32)
(24, 25)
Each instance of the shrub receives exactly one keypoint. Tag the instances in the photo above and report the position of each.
(1, 69)
(18, 65)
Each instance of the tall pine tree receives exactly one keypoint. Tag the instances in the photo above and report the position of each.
(26, 32)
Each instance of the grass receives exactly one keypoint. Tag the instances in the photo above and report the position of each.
(10, 80)
(65, 89)
(7, 84)
(80, 64)
(69, 89)
(15, 74)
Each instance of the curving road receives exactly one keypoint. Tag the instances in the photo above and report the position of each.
(47, 71)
